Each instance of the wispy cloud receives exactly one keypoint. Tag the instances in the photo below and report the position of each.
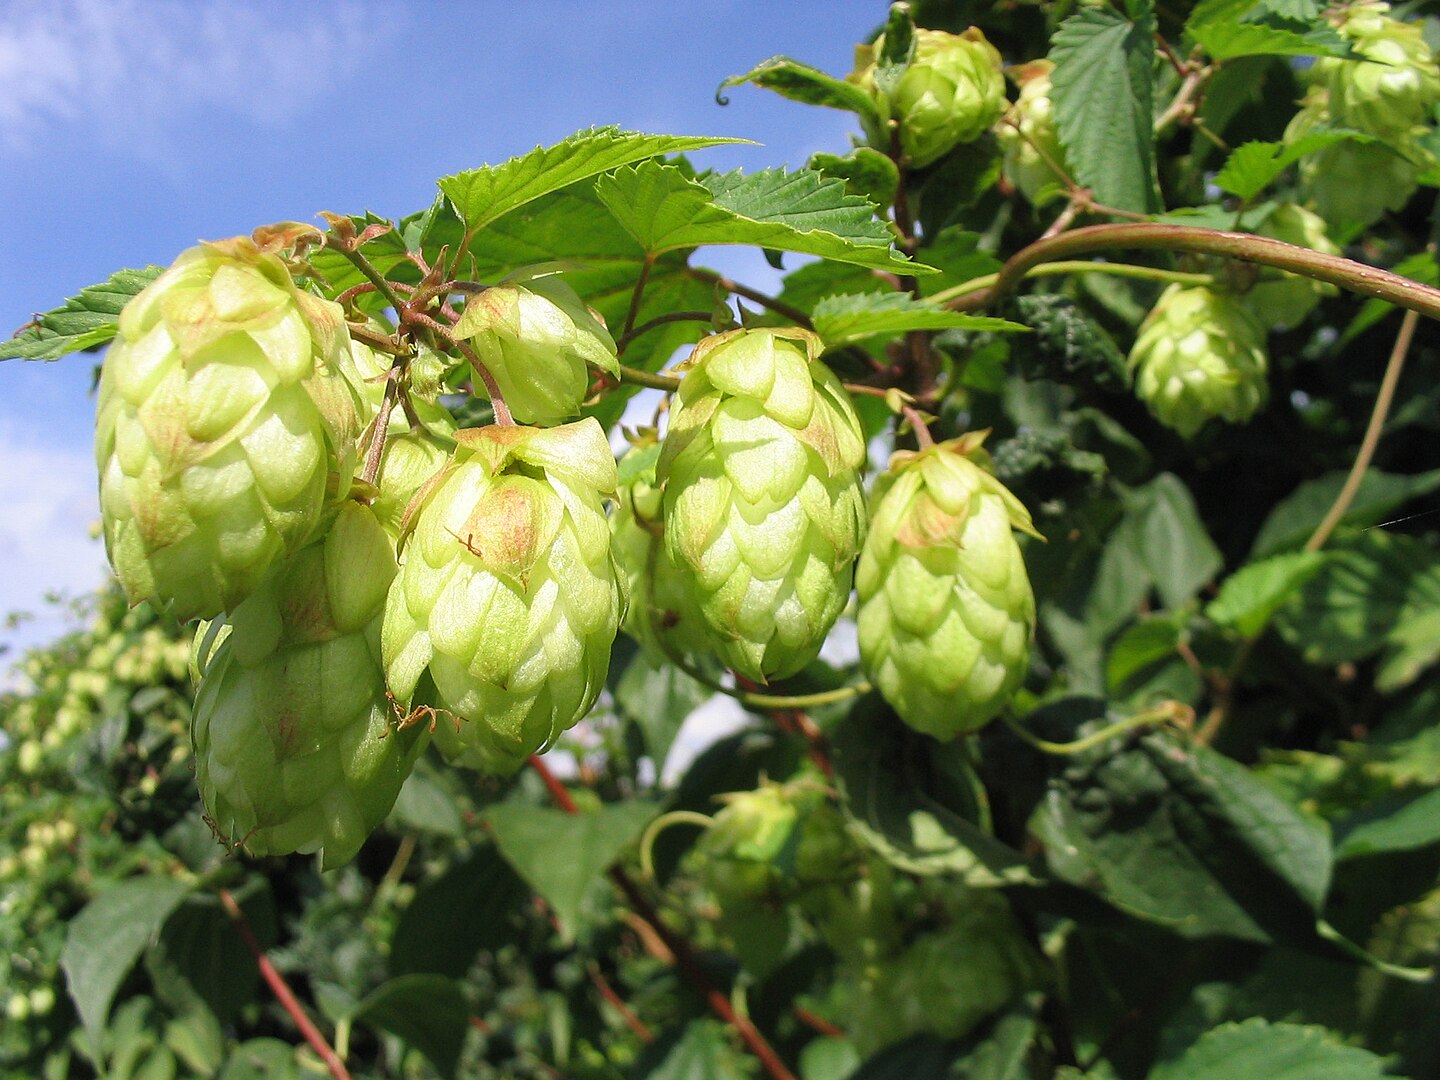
(124, 69)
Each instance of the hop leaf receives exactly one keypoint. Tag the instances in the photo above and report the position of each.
(762, 503)
(223, 410)
(946, 610)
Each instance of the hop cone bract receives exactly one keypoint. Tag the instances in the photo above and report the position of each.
(536, 338)
(222, 412)
(291, 729)
(763, 508)
(1199, 354)
(507, 600)
(1030, 136)
(946, 610)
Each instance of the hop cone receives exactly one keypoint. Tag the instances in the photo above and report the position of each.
(507, 600)
(1030, 136)
(662, 613)
(946, 611)
(1283, 299)
(222, 412)
(293, 747)
(1352, 184)
(536, 339)
(1393, 88)
(763, 509)
(1199, 354)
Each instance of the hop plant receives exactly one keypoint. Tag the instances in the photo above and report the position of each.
(951, 92)
(223, 410)
(1283, 299)
(1199, 354)
(291, 729)
(508, 600)
(1030, 138)
(946, 611)
(536, 339)
(1393, 86)
(763, 509)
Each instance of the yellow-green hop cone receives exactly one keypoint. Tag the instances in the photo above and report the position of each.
(662, 615)
(763, 509)
(536, 337)
(222, 414)
(1030, 138)
(1283, 299)
(1393, 85)
(1199, 354)
(946, 610)
(295, 747)
(508, 600)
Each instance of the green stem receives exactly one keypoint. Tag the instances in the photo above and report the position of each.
(1345, 945)
(1079, 266)
(667, 383)
(659, 825)
(756, 700)
(1346, 273)
(1148, 718)
(366, 267)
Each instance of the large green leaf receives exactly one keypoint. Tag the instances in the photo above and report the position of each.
(1185, 838)
(1251, 168)
(802, 211)
(87, 319)
(1414, 823)
(1250, 596)
(200, 956)
(1103, 91)
(562, 855)
(488, 193)
(107, 937)
(845, 319)
(1232, 28)
(471, 906)
(1258, 1048)
(657, 696)
(428, 1012)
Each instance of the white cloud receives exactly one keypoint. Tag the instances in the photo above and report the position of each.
(130, 69)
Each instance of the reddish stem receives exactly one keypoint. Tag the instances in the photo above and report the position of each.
(633, 1022)
(282, 990)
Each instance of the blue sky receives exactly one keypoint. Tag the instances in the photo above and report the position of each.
(130, 129)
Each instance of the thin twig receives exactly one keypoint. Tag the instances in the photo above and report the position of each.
(633, 1022)
(382, 425)
(653, 380)
(794, 314)
(660, 320)
(282, 991)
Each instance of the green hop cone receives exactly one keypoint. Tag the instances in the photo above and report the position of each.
(1394, 84)
(222, 413)
(1030, 138)
(763, 509)
(1282, 299)
(292, 726)
(1351, 184)
(536, 337)
(1199, 354)
(662, 613)
(507, 600)
(946, 610)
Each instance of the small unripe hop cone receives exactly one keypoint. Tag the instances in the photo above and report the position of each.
(763, 509)
(1394, 82)
(946, 610)
(508, 600)
(223, 412)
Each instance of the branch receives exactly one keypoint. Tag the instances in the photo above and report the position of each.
(794, 314)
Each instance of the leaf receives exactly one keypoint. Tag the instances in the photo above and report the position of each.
(657, 696)
(912, 799)
(200, 956)
(425, 806)
(472, 906)
(561, 855)
(1258, 1048)
(801, 211)
(844, 319)
(427, 1012)
(1185, 838)
(957, 181)
(1420, 267)
(1232, 28)
(88, 319)
(867, 173)
(262, 1059)
(1250, 596)
(1163, 525)
(1297, 515)
(1103, 93)
(486, 194)
(105, 939)
(702, 1051)
(801, 82)
(1413, 824)
(1251, 168)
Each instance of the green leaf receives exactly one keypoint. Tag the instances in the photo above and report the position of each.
(1180, 836)
(471, 906)
(657, 696)
(425, 806)
(1131, 665)
(1103, 93)
(913, 801)
(88, 319)
(1251, 168)
(103, 942)
(1258, 1048)
(1413, 824)
(1250, 596)
(801, 82)
(561, 855)
(1421, 267)
(845, 319)
(1164, 527)
(262, 1059)
(867, 173)
(703, 1051)
(1230, 28)
(427, 1012)
(1292, 521)
(200, 956)
(801, 211)
(956, 182)
(486, 194)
